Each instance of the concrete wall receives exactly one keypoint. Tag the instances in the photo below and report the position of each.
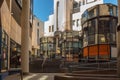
(9, 24)
(5, 17)
(38, 26)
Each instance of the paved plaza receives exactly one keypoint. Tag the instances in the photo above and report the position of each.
(41, 76)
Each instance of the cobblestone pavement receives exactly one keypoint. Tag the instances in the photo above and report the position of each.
(41, 76)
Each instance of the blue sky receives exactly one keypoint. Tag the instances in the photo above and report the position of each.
(43, 8)
(111, 1)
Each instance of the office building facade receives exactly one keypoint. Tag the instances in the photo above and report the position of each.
(67, 20)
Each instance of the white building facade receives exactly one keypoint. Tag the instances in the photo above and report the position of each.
(64, 16)
(49, 26)
(58, 19)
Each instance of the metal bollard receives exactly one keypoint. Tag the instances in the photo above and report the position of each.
(21, 74)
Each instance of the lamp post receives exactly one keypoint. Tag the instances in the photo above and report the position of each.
(118, 40)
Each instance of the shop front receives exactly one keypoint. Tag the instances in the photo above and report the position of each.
(15, 56)
(3, 54)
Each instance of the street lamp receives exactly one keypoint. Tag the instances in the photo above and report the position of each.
(118, 41)
(64, 38)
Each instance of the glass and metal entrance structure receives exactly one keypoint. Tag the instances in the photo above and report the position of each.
(71, 45)
(99, 32)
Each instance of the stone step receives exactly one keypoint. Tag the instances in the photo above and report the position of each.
(92, 75)
(106, 71)
(82, 78)
(50, 66)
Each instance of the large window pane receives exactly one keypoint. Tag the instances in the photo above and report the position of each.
(112, 38)
(69, 34)
(75, 44)
(85, 42)
(45, 46)
(115, 10)
(84, 16)
(113, 25)
(91, 13)
(91, 27)
(91, 39)
(4, 51)
(111, 10)
(104, 24)
(101, 38)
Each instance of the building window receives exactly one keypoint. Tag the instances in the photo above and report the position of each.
(91, 13)
(111, 10)
(15, 56)
(38, 24)
(77, 22)
(73, 22)
(84, 16)
(49, 28)
(91, 27)
(83, 2)
(4, 51)
(52, 28)
(91, 39)
(38, 36)
(79, 3)
(104, 25)
(76, 4)
(102, 38)
(58, 4)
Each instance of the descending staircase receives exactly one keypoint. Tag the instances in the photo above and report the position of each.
(91, 71)
(47, 66)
